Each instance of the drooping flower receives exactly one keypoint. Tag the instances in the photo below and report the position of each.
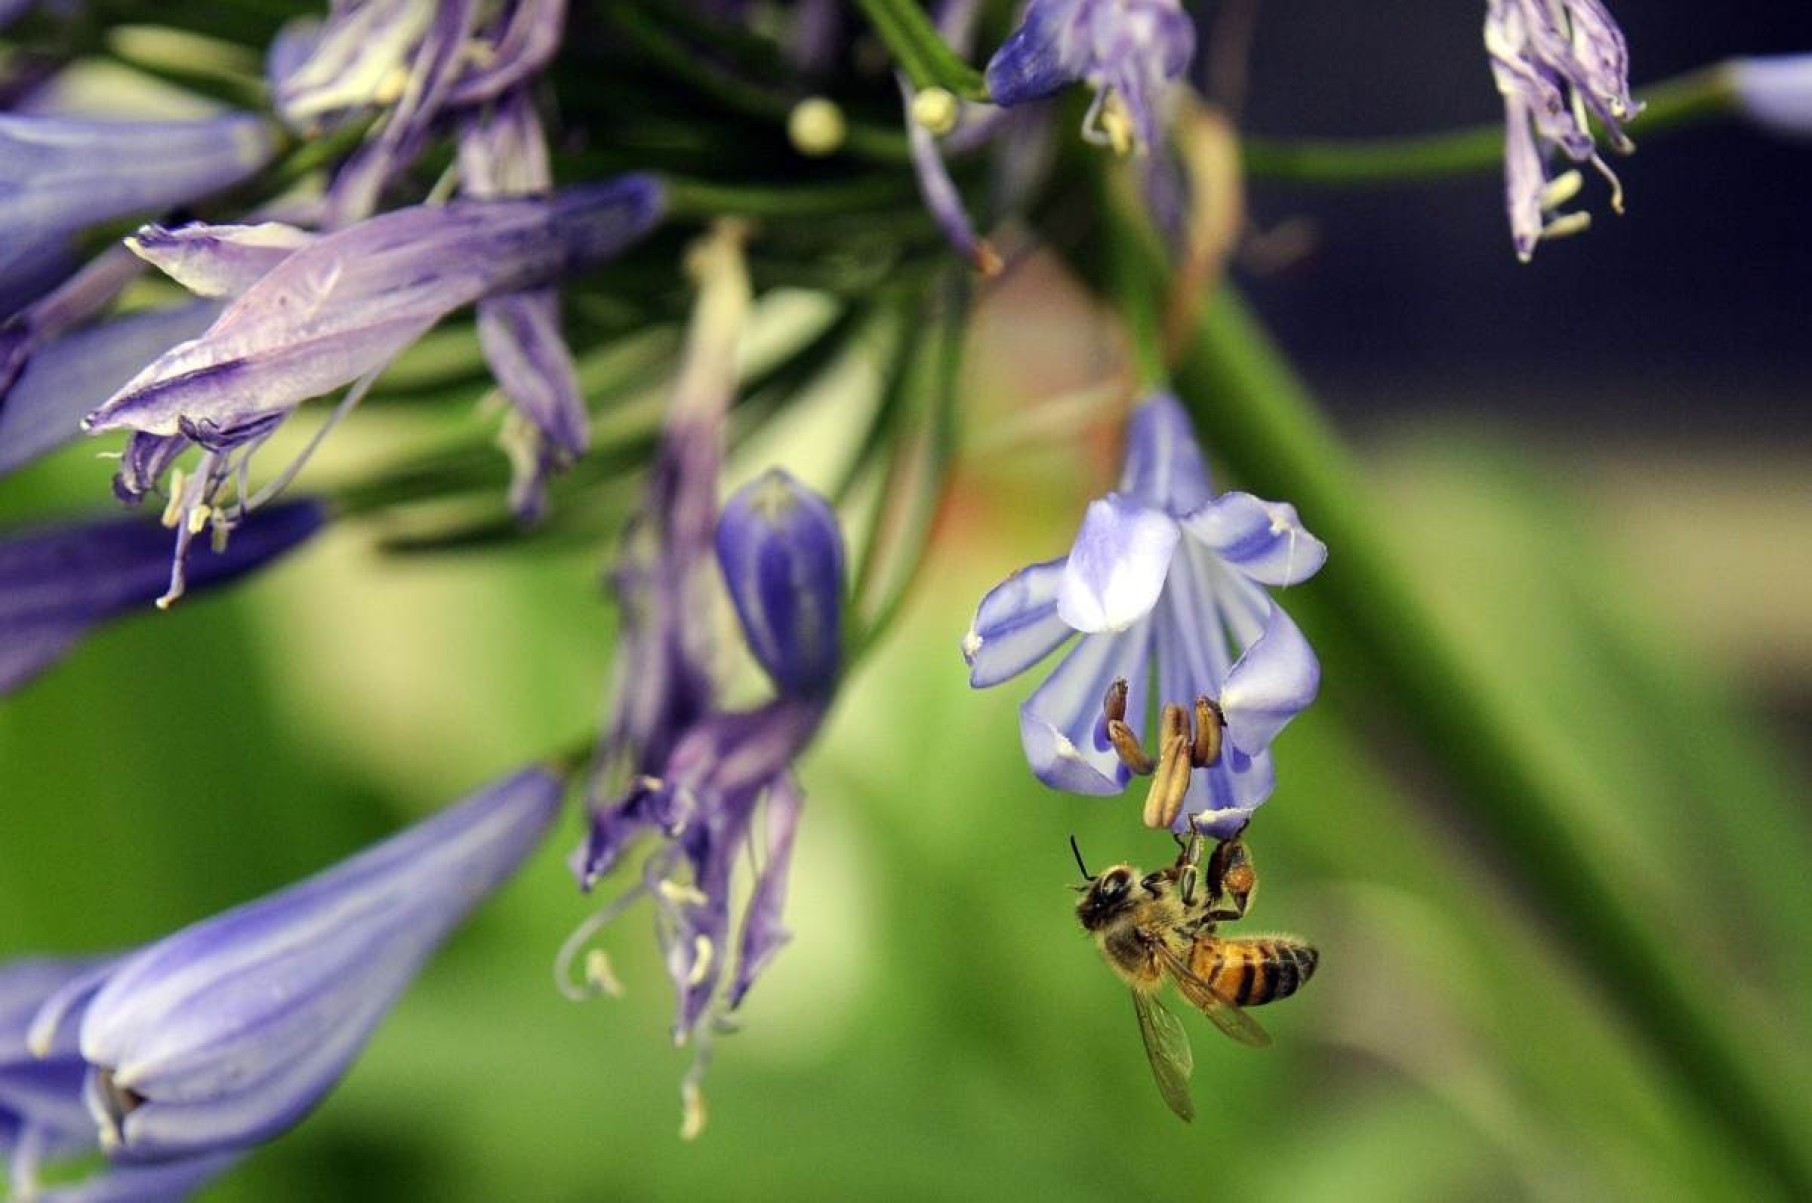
(344, 304)
(60, 175)
(503, 153)
(1559, 64)
(1165, 577)
(59, 582)
(230, 1031)
(1128, 51)
(726, 792)
(334, 311)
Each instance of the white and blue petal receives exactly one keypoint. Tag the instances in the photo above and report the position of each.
(1163, 467)
(1061, 726)
(1116, 568)
(1270, 684)
(1016, 625)
(230, 1030)
(1266, 540)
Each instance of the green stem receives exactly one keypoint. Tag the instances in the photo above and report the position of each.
(1258, 416)
(705, 200)
(1672, 104)
(920, 50)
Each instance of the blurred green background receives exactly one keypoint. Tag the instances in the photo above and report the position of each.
(941, 1027)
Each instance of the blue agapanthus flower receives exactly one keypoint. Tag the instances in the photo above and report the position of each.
(1127, 50)
(174, 1058)
(1560, 65)
(1165, 577)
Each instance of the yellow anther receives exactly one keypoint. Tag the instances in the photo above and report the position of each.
(936, 109)
(1570, 223)
(692, 1110)
(703, 951)
(816, 127)
(600, 976)
(173, 508)
(1117, 124)
(1561, 189)
(198, 518)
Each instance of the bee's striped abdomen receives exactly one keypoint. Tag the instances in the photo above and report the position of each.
(1250, 972)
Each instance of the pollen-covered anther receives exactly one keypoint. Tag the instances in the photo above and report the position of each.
(703, 953)
(600, 976)
(1561, 189)
(692, 1116)
(1170, 781)
(1116, 123)
(117, 1102)
(1201, 737)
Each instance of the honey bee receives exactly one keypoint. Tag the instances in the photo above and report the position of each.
(1161, 925)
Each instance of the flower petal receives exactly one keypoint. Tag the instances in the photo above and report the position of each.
(1263, 539)
(1117, 567)
(1269, 685)
(1164, 467)
(1016, 625)
(1061, 726)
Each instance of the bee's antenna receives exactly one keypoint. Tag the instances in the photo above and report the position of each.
(1078, 851)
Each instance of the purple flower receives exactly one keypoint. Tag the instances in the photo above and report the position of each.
(1127, 50)
(58, 582)
(1558, 64)
(60, 175)
(230, 1031)
(1775, 92)
(344, 305)
(503, 154)
(782, 558)
(43, 1117)
(1163, 572)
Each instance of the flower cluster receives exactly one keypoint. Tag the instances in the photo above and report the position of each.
(656, 237)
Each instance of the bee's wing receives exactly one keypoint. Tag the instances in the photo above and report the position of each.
(1224, 1014)
(1167, 1047)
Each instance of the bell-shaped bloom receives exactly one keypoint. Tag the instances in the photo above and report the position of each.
(1775, 92)
(342, 306)
(782, 557)
(58, 582)
(1559, 65)
(44, 1120)
(61, 175)
(503, 153)
(1127, 50)
(1165, 577)
(217, 260)
(230, 1031)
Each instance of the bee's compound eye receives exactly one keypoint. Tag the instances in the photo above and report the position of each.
(1115, 882)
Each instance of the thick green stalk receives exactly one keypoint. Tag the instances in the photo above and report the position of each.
(920, 50)
(1258, 417)
(1674, 103)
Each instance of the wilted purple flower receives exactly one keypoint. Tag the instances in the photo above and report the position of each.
(228, 1032)
(57, 582)
(43, 1117)
(1558, 64)
(782, 558)
(344, 305)
(1775, 92)
(60, 175)
(1127, 50)
(1162, 571)
(504, 154)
